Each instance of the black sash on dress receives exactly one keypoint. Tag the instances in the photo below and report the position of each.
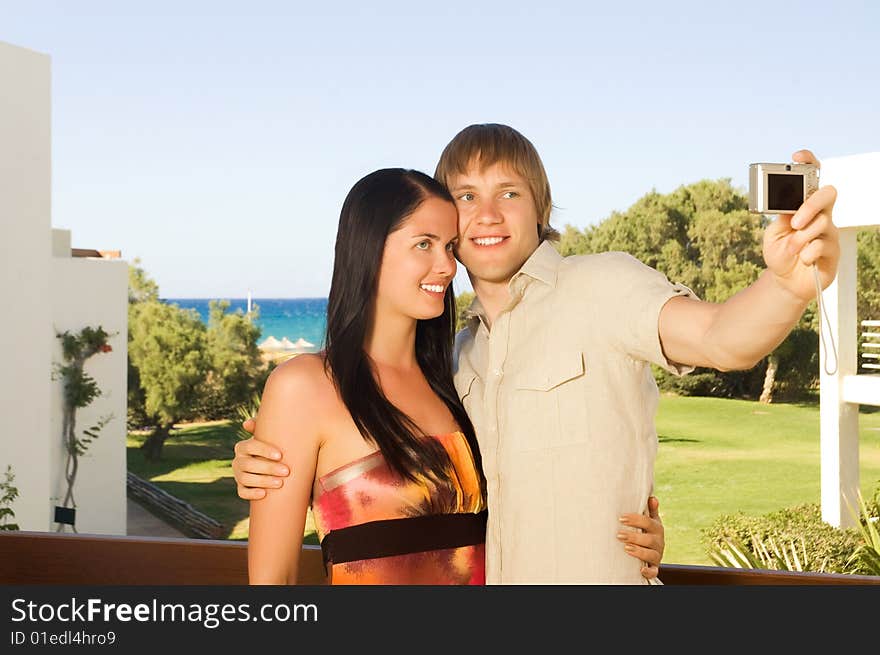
(403, 536)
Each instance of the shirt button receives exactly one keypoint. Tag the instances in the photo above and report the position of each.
(497, 372)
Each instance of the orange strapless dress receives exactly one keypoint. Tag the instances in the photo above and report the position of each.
(377, 527)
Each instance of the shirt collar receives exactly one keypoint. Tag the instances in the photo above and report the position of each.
(474, 313)
(542, 265)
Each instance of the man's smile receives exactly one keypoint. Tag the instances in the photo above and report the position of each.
(486, 242)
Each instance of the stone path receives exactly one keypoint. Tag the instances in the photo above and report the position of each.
(141, 523)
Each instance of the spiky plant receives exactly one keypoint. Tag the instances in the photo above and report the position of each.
(867, 555)
(245, 411)
(769, 553)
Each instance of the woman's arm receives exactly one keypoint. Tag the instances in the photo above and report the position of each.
(277, 522)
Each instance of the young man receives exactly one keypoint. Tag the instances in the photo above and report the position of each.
(554, 365)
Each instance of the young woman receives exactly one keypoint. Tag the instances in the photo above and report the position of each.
(381, 446)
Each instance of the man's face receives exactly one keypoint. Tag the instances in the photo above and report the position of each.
(497, 221)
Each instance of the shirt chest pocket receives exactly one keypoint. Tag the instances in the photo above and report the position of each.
(550, 407)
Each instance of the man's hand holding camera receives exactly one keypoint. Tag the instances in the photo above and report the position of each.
(794, 242)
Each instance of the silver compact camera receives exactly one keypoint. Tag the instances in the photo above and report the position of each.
(781, 188)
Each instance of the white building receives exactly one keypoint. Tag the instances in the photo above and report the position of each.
(48, 287)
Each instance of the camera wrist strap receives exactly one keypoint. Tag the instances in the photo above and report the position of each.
(823, 314)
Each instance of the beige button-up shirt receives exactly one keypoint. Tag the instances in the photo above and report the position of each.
(561, 395)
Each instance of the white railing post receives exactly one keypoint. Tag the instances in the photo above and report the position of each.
(839, 420)
(855, 178)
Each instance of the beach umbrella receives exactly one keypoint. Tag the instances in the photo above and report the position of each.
(271, 343)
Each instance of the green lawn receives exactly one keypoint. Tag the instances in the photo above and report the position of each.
(197, 467)
(715, 457)
(725, 456)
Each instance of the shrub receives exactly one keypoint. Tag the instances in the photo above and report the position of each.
(826, 548)
(708, 382)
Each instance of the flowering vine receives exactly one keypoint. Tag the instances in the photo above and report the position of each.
(80, 389)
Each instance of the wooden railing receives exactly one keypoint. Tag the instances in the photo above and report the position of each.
(77, 559)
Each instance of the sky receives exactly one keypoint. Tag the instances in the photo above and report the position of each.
(216, 141)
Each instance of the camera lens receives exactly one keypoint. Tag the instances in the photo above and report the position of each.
(788, 167)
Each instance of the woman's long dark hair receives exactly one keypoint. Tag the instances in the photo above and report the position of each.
(376, 206)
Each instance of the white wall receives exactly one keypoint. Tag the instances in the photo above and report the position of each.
(93, 292)
(25, 318)
(43, 290)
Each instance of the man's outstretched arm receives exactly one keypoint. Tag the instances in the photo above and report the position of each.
(737, 333)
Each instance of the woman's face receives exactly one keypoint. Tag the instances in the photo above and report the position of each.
(418, 263)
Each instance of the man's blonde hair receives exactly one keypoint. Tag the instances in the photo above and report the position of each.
(492, 143)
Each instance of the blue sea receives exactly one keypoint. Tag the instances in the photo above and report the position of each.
(294, 318)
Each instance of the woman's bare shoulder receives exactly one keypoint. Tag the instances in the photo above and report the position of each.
(302, 380)
(295, 403)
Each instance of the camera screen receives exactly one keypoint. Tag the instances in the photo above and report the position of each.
(784, 192)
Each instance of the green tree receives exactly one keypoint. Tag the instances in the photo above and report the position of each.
(573, 241)
(181, 369)
(462, 302)
(700, 235)
(168, 348)
(237, 370)
(869, 282)
(141, 288)
(869, 274)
